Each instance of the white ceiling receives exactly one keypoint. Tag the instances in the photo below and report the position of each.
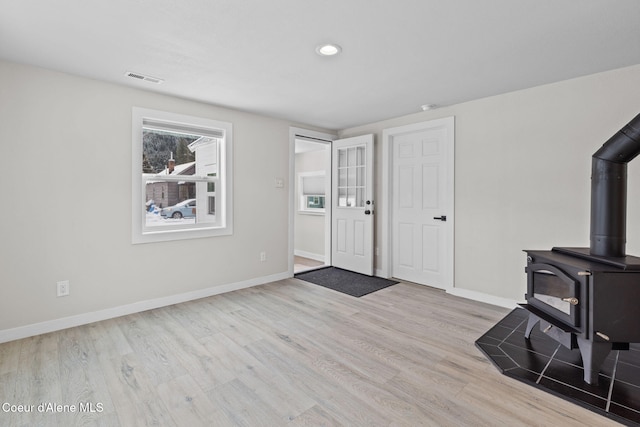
(259, 56)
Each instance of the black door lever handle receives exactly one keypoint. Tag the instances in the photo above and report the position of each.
(440, 218)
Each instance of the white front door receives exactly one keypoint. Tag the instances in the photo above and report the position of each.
(422, 202)
(352, 205)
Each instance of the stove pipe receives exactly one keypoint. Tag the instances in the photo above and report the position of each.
(609, 191)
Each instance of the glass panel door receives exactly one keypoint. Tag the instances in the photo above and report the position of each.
(351, 177)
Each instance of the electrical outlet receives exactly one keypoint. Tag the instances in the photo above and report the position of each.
(63, 288)
(263, 256)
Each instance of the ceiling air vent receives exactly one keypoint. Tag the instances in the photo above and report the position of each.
(143, 77)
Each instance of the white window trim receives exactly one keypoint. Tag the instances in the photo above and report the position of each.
(225, 175)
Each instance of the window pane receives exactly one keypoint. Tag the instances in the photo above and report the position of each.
(351, 197)
(165, 150)
(360, 156)
(342, 197)
(360, 197)
(175, 155)
(342, 177)
(315, 202)
(352, 177)
(212, 205)
(352, 156)
(360, 177)
(183, 213)
(342, 157)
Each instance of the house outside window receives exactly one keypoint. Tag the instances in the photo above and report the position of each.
(181, 176)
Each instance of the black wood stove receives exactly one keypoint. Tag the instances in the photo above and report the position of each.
(589, 298)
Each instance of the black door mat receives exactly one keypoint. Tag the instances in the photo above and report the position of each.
(348, 282)
(543, 363)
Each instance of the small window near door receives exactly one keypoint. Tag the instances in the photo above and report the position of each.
(311, 192)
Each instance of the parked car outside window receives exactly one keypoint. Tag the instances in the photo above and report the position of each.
(184, 209)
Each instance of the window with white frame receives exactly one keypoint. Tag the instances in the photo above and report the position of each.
(181, 176)
(311, 189)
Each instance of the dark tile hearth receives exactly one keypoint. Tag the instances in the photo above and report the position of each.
(544, 363)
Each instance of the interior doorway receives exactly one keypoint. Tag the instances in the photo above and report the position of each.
(310, 200)
(418, 178)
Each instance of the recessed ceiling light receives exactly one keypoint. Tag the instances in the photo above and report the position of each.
(328, 49)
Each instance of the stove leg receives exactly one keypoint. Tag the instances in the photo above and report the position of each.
(593, 355)
(533, 320)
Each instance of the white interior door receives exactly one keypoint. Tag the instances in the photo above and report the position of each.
(352, 205)
(422, 203)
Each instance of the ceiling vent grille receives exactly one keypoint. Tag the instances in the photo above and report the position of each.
(143, 77)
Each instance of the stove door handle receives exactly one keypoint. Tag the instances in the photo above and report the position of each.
(571, 300)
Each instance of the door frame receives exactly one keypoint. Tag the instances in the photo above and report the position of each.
(323, 137)
(386, 210)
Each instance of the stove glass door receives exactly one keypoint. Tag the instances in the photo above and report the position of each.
(554, 292)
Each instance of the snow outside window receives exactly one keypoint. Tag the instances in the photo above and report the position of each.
(181, 177)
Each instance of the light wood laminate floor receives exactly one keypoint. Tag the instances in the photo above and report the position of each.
(304, 264)
(285, 353)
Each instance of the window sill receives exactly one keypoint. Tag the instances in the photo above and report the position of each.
(170, 235)
(310, 212)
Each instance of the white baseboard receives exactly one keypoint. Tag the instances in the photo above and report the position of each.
(473, 295)
(482, 297)
(304, 254)
(137, 307)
